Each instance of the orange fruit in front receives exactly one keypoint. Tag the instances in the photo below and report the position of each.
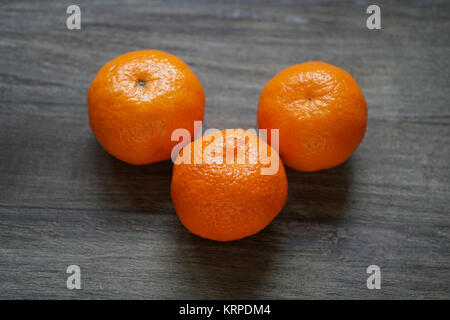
(228, 185)
(320, 111)
(138, 99)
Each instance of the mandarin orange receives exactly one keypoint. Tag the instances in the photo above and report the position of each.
(320, 111)
(222, 191)
(138, 99)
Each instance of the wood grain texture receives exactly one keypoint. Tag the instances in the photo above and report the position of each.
(63, 200)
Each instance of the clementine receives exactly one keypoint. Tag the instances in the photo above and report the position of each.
(138, 99)
(221, 192)
(320, 111)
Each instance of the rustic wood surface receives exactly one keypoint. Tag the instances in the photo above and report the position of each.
(64, 200)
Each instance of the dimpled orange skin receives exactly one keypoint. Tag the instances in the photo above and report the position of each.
(137, 99)
(226, 201)
(320, 111)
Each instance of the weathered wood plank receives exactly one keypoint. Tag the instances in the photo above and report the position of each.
(63, 200)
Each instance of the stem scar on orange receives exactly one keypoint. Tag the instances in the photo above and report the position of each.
(138, 99)
(224, 196)
(320, 111)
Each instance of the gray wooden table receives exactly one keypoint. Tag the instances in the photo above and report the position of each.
(64, 200)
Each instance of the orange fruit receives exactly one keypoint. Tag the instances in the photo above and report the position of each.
(226, 189)
(138, 99)
(320, 111)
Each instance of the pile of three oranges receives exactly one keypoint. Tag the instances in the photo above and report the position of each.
(138, 99)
